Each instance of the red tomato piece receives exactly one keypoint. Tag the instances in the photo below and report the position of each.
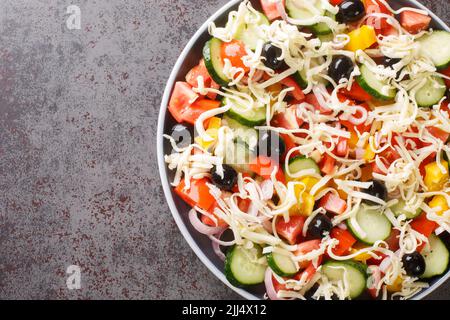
(209, 222)
(306, 247)
(264, 166)
(234, 51)
(393, 240)
(342, 147)
(327, 163)
(198, 71)
(424, 226)
(312, 100)
(181, 99)
(332, 203)
(336, 2)
(375, 6)
(191, 114)
(439, 134)
(346, 241)
(270, 9)
(356, 93)
(291, 230)
(197, 195)
(297, 93)
(447, 82)
(414, 22)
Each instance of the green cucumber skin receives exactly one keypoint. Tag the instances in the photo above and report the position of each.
(299, 79)
(355, 235)
(207, 56)
(362, 82)
(443, 65)
(429, 276)
(229, 272)
(273, 265)
(299, 157)
(436, 100)
(244, 121)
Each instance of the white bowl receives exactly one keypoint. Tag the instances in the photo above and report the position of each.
(198, 242)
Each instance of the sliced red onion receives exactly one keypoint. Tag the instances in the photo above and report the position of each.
(216, 246)
(342, 226)
(439, 230)
(267, 225)
(267, 189)
(270, 289)
(252, 210)
(200, 226)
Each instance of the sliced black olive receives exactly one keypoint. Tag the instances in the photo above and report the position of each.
(228, 180)
(389, 62)
(182, 135)
(350, 11)
(414, 264)
(270, 144)
(378, 190)
(272, 53)
(341, 67)
(320, 226)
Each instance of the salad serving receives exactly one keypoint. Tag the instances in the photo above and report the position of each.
(319, 166)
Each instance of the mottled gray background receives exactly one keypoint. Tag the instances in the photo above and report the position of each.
(79, 181)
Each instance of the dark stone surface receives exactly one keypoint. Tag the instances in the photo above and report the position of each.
(79, 181)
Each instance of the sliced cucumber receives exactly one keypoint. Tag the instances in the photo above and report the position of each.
(300, 163)
(436, 46)
(375, 87)
(436, 259)
(373, 223)
(250, 33)
(431, 92)
(243, 133)
(282, 265)
(240, 157)
(356, 274)
(250, 118)
(400, 208)
(300, 78)
(322, 29)
(214, 62)
(296, 11)
(242, 268)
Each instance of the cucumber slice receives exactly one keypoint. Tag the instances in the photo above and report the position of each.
(282, 265)
(250, 33)
(400, 208)
(436, 46)
(375, 87)
(373, 222)
(300, 78)
(436, 259)
(249, 118)
(240, 157)
(356, 274)
(300, 163)
(431, 92)
(295, 10)
(322, 29)
(241, 268)
(243, 133)
(214, 62)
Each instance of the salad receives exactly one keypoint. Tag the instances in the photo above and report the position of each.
(319, 164)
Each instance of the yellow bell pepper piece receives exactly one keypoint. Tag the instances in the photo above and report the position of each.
(396, 286)
(353, 141)
(439, 201)
(309, 182)
(214, 124)
(435, 179)
(369, 154)
(366, 173)
(362, 257)
(361, 39)
(305, 205)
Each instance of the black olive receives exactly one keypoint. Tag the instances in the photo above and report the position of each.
(182, 135)
(319, 226)
(272, 53)
(228, 180)
(341, 67)
(389, 62)
(270, 144)
(350, 11)
(377, 189)
(414, 264)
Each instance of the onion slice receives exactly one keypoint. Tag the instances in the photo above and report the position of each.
(270, 289)
(200, 226)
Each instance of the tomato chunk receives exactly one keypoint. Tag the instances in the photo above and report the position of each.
(356, 93)
(379, 24)
(292, 229)
(270, 9)
(234, 51)
(327, 163)
(312, 100)
(424, 226)
(264, 167)
(332, 203)
(197, 195)
(346, 241)
(182, 98)
(297, 93)
(191, 114)
(414, 22)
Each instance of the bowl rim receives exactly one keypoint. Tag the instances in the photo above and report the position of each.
(163, 168)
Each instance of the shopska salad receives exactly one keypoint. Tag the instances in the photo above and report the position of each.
(320, 162)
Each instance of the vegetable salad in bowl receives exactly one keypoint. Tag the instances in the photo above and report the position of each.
(319, 164)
